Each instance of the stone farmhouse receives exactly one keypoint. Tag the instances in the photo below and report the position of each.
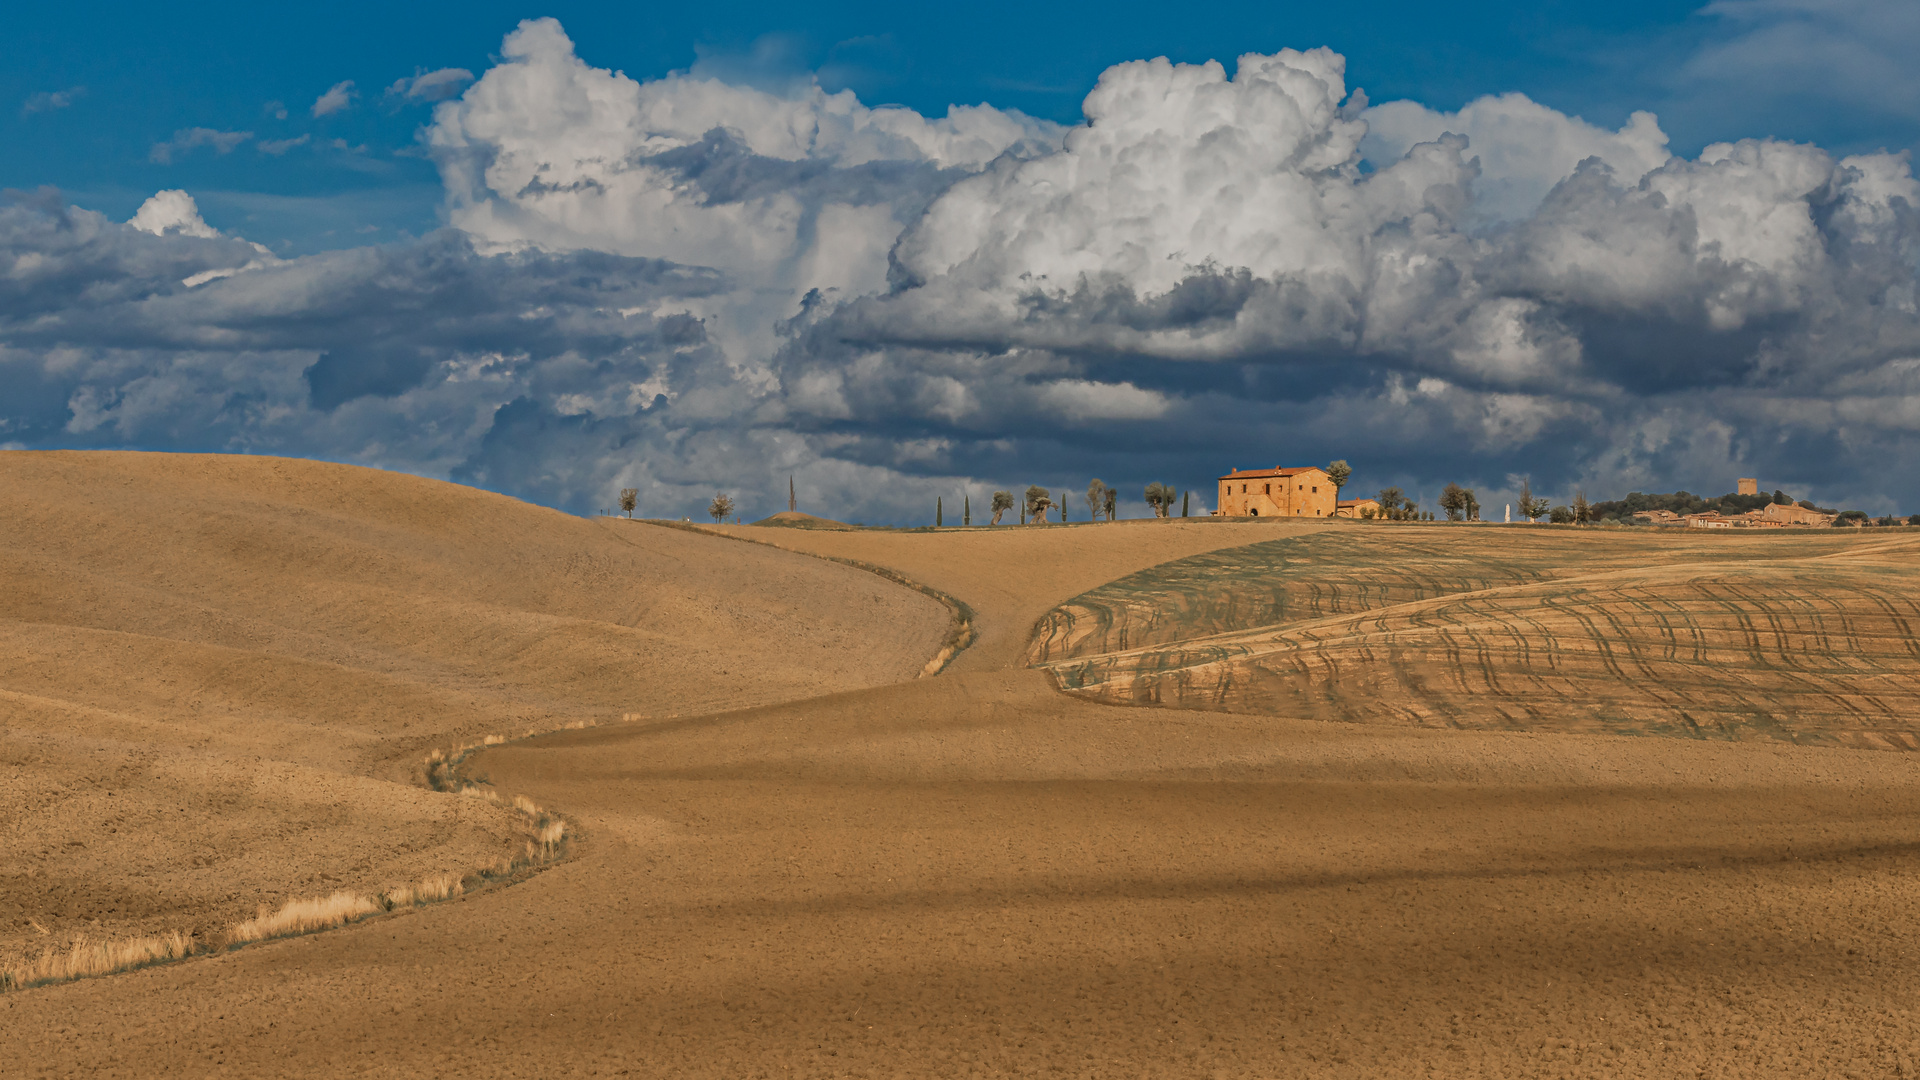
(1277, 492)
(1779, 516)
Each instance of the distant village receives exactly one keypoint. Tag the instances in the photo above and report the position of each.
(1779, 514)
(1313, 491)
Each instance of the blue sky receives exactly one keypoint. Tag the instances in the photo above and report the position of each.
(562, 251)
(93, 87)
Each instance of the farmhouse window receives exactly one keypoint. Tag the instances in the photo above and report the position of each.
(1269, 490)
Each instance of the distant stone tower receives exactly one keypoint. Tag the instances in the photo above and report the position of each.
(1748, 485)
(791, 504)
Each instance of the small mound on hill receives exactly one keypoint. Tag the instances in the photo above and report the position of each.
(793, 519)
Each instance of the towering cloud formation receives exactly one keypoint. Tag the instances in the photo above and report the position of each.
(172, 211)
(683, 285)
(1632, 322)
(808, 190)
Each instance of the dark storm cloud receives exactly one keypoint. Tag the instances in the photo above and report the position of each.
(895, 307)
(723, 169)
(1694, 321)
(104, 342)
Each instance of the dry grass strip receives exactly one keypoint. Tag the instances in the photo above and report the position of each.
(85, 957)
(302, 917)
(545, 842)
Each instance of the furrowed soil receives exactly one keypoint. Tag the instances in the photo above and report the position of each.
(977, 874)
(1806, 637)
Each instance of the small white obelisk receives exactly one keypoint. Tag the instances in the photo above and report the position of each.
(1509, 513)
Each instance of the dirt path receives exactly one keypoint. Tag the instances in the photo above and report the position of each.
(1012, 575)
(976, 875)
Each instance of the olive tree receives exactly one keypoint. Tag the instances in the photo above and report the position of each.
(1038, 503)
(629, 497)
(721, 507)
(1390, 499)
(1160, 497)
(1096, 498)
(1002, 502)
(1338, 473)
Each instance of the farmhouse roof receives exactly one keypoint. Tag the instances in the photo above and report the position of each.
(1242, 474)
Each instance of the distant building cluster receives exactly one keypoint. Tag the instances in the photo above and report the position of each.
(1771, 516)
(1357, 508)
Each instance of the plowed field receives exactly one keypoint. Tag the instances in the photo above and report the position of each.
(1794, 637)
(796, 856)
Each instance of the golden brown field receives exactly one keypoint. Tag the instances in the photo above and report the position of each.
(1802, 637)
(796, 858)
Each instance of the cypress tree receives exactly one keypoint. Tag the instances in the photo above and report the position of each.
(937, 516)
(1186, 503)
(966, 509)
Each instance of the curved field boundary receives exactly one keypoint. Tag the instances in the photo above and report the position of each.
(1795, 642)
(1293, 579)
(547, 841)
(959, 634)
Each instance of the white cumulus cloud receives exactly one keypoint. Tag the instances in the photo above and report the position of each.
(338, 98)
(1523, 148)
(174, 212)
(50, 100)
(436, 85)
(546, 149)
(788, 193)
(188, 139)
(685, 284)
(277, 147)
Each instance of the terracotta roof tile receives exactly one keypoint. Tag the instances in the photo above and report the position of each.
(1238, 474)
